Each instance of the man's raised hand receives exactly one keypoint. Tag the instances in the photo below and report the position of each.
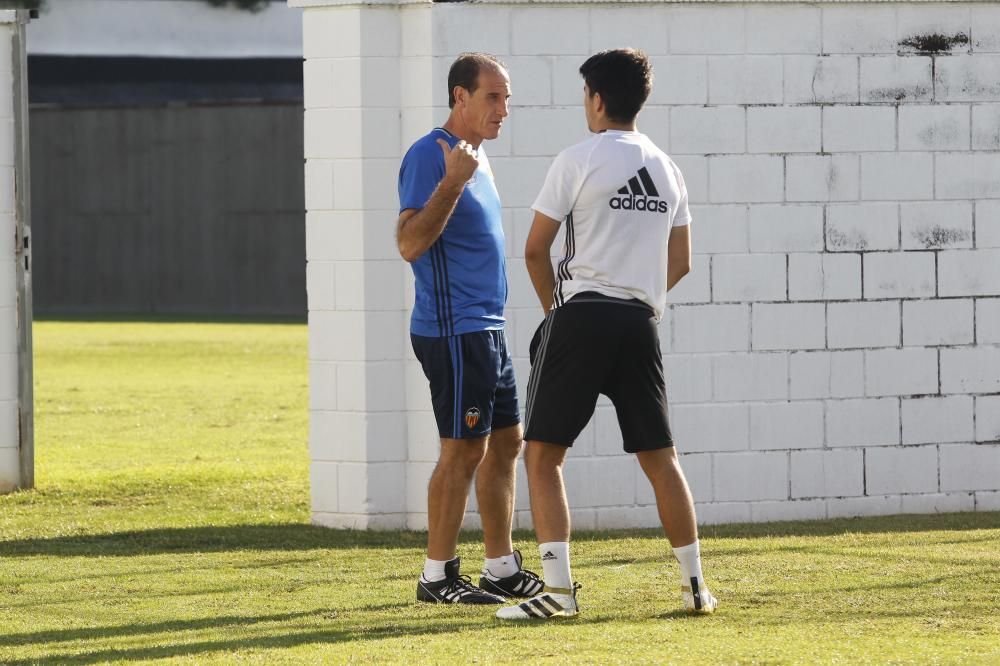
(460, 162)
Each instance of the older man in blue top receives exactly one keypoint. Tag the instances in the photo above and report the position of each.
(450, 232)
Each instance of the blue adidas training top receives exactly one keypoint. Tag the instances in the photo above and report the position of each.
(461, 281)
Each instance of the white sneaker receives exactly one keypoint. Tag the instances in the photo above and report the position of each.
(701, 603)
(552, 602)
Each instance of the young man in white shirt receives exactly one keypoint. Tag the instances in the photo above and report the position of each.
(624, 206)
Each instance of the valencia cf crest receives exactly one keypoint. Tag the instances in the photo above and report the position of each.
(472, 418)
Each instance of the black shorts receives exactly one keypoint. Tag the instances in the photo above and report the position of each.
(472, 382)
(592, 345)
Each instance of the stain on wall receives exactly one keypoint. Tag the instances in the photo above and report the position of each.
(938, 237)
(933, 43)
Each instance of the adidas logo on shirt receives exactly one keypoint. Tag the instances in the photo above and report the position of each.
(639, 199)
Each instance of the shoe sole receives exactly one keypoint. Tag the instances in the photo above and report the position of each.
(554, 616)
(703, 611)
(462, 603)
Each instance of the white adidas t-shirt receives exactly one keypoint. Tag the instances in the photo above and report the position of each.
(620, 196)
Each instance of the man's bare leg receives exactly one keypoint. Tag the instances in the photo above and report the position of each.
(550, 512)
(448, 493)
(673, 497)
(549, 508)
(495, 482)
(676, 509)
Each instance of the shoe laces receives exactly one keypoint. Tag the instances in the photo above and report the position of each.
(531, 575)
(461, 585)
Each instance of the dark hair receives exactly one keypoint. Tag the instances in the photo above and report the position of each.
(623, 77)
(464, 72)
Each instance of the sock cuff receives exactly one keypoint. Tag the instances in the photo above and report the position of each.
(555, 564)
(504, 566)
(690, 548)
(434, 570)
(497, 559)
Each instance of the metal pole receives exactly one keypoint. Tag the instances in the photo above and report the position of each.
(22, 254)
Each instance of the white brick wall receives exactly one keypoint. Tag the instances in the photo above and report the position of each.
(891, 79)
(858, 325)
(938, 322)
(835, 350)
(899, 275)
(882, 470)
(783, 129)
(935, 420)
(934, 128)
(936, 225)
(779, 326)
(862, 422)
(837, 473)
(859, 227)
(818, 277)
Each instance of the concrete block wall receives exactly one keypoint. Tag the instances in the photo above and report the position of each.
(10, 472)
(835, 350)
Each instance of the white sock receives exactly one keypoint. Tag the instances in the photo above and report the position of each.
(500, 567)
(434, 570)
(555, 564)
(689, 557)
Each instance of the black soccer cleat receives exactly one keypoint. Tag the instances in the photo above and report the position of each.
(454, 589)
(524, 584)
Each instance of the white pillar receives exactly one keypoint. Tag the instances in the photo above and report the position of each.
(16, 459)
(355, 278)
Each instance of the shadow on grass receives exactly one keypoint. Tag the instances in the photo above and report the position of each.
(94, 633)
(270, 563)
(301, 537)
(289, 637)
(211, 539)
(68, 600)
(280, 639)
(983, 520)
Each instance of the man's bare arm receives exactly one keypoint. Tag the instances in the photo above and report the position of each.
(537, 257)
(417, 229)
(678, 255)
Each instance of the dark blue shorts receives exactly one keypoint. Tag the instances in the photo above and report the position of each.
(472, 382)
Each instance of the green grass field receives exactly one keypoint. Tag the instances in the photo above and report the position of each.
(171, 520)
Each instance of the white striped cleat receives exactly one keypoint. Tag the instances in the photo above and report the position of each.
(700, 603)
(552, 602)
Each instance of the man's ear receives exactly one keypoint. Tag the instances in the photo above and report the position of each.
(598, 103)
(460, 94)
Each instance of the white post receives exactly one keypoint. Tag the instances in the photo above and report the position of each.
(355, 278)
(16, 423)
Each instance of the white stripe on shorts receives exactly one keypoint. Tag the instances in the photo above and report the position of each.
(536, 369)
